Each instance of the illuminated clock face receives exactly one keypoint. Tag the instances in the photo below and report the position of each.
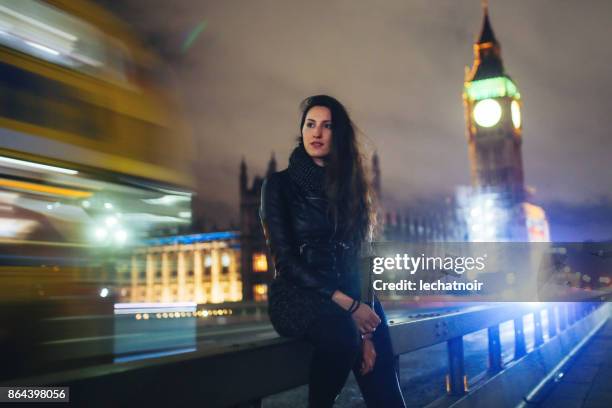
(516, 114)
(487, 113)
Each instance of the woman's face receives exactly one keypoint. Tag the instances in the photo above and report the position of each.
(317, 133)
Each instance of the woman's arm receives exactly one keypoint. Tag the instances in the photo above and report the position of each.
(275, 218)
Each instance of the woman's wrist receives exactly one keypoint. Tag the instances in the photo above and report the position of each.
(342, 300)
(367, 336)
(354, 306)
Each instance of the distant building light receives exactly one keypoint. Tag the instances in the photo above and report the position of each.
(225, 260)
(260, 292)
(260, 262)
(190, 239)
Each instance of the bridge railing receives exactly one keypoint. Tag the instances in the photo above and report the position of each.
(243, 375)
(411, 336)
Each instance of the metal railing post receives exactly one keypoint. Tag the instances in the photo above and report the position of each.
(456, 381)
(582, 309)
(562, 309)
(519, 338)
(571, 314)
(552, 321)
(495, 357)
(538, 336)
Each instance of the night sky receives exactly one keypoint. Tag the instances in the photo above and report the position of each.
(398, 66)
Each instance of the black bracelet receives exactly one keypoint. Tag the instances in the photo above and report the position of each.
(350, 309)
(356, 307)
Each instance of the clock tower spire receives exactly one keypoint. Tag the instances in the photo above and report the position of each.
(496, 207)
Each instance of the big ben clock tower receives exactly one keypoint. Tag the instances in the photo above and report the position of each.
(493, 117)
(496, 205)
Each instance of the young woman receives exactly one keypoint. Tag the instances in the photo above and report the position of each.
(316, 215)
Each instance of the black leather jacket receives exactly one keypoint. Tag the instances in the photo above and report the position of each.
(301, 238)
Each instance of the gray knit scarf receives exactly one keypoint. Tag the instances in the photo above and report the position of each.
(305, 172)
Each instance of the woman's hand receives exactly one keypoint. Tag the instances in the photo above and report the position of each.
(369, 357)
(365, 319)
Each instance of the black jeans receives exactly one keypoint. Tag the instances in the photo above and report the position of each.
(337, 344)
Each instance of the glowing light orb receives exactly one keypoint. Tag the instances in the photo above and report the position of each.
(487, 113)
(515, 109)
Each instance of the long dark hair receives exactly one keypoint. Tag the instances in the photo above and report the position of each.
(346, 186)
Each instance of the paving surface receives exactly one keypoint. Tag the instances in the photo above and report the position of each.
(587, 383)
